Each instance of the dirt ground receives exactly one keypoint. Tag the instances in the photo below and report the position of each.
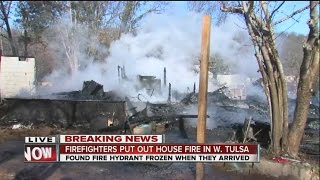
(13, 167)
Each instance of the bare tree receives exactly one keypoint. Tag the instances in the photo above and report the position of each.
(309, 72)
(133, 11)
(127, 15)
(94, 15)
(34, 17)
(260, 23)
(261, 32)
(70, 46)
(5, 8)
(100, 17)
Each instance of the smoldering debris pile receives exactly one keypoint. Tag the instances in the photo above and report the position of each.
(83, 115)
(162, 109)
(77, 109)
(218, 95)
(91, 90)
(190, 99)
(226, 111)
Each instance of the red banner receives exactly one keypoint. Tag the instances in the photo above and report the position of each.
(158, 149)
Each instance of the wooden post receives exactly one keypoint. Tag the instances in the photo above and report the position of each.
(203, 88)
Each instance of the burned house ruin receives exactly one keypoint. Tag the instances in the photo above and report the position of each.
(91, 109)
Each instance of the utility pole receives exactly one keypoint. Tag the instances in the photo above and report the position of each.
(203, 89)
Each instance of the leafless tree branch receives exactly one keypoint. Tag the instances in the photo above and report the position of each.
(4, 36)
(291, 15)
(264, 7)
(276, 9)
(237, 10)
(250, 8)
(9, 8)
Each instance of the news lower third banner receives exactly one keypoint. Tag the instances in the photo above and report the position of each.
(132, 148)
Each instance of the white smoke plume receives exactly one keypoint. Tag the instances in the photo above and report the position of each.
(162, 40)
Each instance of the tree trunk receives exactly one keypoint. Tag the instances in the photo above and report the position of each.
(282, 89)
(301, 114)
(274, 88)
(308, 73)
(276, 98)
(304, 93)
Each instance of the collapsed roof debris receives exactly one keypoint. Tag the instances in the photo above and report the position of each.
(91, 90)
(225, 110)
(162, 109)
(215, 96)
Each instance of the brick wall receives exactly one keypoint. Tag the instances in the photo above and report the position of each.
(17, 76)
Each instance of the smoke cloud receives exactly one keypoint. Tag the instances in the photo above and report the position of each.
(162, 40)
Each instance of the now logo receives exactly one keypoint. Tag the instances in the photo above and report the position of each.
(40, 153)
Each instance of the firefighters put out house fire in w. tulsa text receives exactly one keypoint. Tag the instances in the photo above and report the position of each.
(154, 149)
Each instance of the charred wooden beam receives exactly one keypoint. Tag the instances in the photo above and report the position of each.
(119, 73)
(187, 116)
(245, 129)
(169, 96)
(165, 77)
